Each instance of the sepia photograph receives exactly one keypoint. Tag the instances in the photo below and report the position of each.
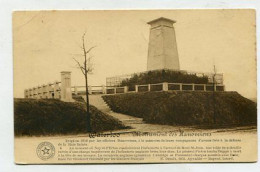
(134, 86)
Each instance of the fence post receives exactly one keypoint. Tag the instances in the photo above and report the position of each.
(25, 93)
(149, 87)
(215, 87)
(66, 94)
(38, 92)
(165, 86)
(49, 91)
(125, 89)
(89, 90)
(75, 90)
(28, 93)
(180, 87)
(204, 87)
(33, 92)
(136, 88)
(193, 87)
(103, 89)
(56, 89)
(44, 91)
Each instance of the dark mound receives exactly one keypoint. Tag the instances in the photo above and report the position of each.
(50, 117)
(186, 108)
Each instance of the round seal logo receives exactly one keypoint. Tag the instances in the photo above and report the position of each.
(45, 150)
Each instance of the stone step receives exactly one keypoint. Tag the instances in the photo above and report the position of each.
(132, 121)
(98, 102)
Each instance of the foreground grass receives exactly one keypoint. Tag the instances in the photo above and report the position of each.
(187, 108)
(54, 117)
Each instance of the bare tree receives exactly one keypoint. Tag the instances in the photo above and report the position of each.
(86, 68)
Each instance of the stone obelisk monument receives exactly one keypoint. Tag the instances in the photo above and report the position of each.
(162, 50)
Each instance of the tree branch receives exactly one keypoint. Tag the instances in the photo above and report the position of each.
(87, 66)
(90, 49)
(80, 67)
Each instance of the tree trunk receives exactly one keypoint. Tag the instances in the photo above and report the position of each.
(87, 101)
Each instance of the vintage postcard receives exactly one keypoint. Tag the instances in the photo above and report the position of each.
(135, 86)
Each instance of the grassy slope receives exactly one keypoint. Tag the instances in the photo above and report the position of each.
(186, 108)
(49, 117)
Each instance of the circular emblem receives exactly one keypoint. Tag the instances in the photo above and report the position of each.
(45, 150)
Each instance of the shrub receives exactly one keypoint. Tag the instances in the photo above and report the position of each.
(159, 76)
(50, 117)
(186, 108)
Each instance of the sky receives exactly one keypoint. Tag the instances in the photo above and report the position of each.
(45, 43)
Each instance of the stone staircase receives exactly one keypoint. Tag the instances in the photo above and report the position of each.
(136, 124)
(98, 102)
